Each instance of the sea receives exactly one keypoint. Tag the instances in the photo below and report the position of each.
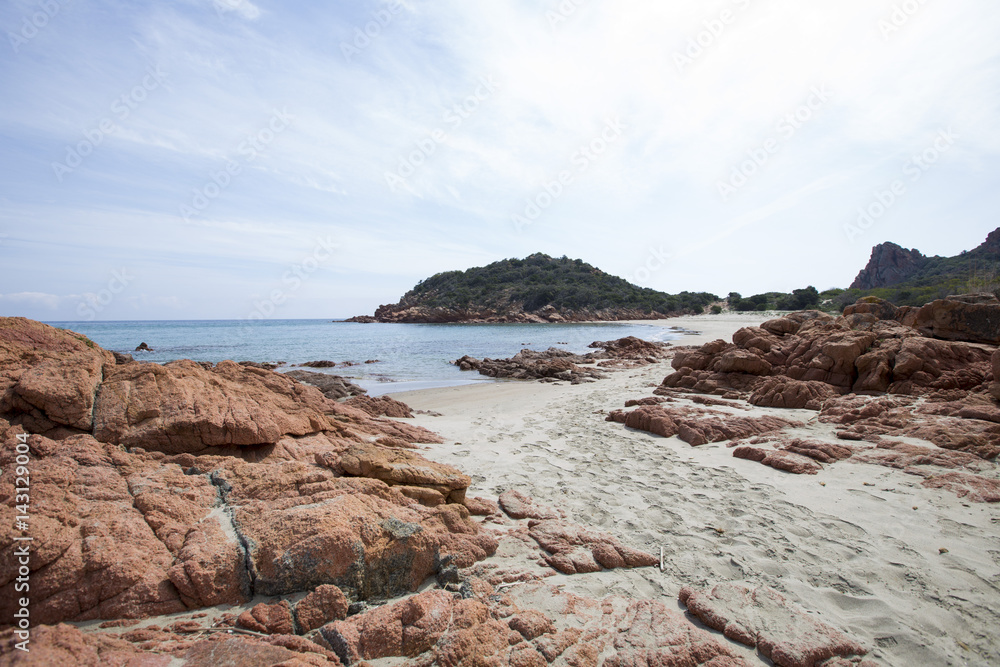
(408, 356)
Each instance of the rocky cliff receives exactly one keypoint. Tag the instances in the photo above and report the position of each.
(889, 265)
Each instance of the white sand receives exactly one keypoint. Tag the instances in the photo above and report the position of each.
(861, 552)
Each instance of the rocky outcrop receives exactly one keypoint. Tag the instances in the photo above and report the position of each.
(333, 387)
(49, 377)
(572, 549)
(972, 317)
(517, 505)
(437, 628)
(401, 313)
(889, 265)
(697, 427)
(763, 618)
(382, 406)
(206, 484)
(804, 359)
(183, 407)
(428, 482)
(551, 365)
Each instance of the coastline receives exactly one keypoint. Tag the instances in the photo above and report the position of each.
(866, 549)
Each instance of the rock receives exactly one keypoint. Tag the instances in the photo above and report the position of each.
(520, 506)
(66, 645)
(698, 427)
(481, 506)
(872, 305)
(552, 364)
(270, 619)
(383, 406)
(995, 387)
(440, 629)
(779, 460)
(904, 456)
(263, 365)
(573, 549)
(49, 377)
(890, 264)
(325, 604)
(304, 528)
(142, 347)
(182, 407)
(962, 318)
(762, 618)
(319, 364)
(404, 468)
(333, 387)
(94, 554)
(122, 358)
(742, 361)
(975, 488)
(784, 392)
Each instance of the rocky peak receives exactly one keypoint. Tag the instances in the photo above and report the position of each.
(890, 264)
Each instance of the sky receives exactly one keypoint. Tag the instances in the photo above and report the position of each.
(228, 159)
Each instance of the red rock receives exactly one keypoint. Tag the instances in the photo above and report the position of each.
(268, 619)
(382, 406)
(326, 603)
(698, 427)
(520, 506)
(94, 555)
(763, 618)
(880, 308)
(742, 361)
(974, 488)
(902, 455)
(241, 652)
(66, 645)
(573, 549)
(824, 452)
(779, 460)
(182, 407)
(971, 318)
(890, 264)
(481, 506)
(783, 392)
(531, 624)
(404, 468)
(49, 376)
(357, 534)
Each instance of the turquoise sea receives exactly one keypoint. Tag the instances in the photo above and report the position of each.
(411, 356)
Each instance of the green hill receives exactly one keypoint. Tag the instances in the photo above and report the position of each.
(510, 289)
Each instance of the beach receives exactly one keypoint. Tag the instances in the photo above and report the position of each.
(911, 572)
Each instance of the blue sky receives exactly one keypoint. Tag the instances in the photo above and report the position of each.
(233, 159)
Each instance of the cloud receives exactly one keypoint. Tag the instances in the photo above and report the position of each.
(244, 8)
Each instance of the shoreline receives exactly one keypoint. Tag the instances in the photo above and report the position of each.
(864, 548)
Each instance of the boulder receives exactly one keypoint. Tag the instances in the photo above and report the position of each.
(405, 469)
(183, 407)
(520, 506)
(49, 377)
(970, 318)
(784, 392)
(698, 427)
(333, 387)
(325, 604)
(382, 406)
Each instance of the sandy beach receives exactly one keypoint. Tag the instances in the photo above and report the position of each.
(912, 573)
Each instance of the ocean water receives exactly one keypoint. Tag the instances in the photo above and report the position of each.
(411, 356)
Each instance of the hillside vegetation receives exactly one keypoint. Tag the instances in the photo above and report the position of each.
(539, 281)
